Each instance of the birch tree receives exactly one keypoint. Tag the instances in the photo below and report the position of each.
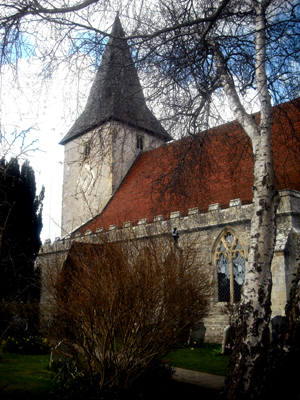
(255, 308)
(235, 54)
(192, 55)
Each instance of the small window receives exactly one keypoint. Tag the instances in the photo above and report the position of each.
(139, 142)
(86, 149)
(231, 267)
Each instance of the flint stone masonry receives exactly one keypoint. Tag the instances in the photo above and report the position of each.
(203, 230)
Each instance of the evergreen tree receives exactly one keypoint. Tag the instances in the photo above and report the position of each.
(20, 228)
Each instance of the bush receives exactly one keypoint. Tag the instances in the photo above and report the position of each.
(33, 345)
(71, 383)
(123, 305)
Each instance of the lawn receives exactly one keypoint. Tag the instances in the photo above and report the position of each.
(206, 358)
(28, 377)
(25, 377)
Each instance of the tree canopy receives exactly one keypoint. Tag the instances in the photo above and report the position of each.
(192, 56)
(20, 227)
(174, 44)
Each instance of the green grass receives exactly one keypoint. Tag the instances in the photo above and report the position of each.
(25, 377)
(207, 359)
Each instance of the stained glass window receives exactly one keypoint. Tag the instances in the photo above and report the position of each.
(223, 279)
(231, 267)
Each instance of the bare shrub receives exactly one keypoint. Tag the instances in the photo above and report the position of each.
(119, 307)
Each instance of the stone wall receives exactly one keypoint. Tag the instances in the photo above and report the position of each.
(204, 231)
(94, 166)
(84, 174)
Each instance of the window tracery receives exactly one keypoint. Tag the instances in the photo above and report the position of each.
(231, 267)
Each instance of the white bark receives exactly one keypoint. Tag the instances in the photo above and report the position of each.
(254, 312)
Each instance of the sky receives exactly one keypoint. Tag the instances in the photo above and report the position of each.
(45, 103)
(47, 108)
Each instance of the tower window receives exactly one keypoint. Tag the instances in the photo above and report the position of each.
(139, 142)
(86, 149)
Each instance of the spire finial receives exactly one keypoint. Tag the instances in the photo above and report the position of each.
(117, 30)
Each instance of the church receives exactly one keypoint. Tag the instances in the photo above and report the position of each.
(123, 171)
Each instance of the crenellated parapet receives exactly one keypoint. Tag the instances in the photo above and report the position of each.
(236, 213)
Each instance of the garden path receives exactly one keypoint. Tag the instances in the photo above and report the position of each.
(199, 378)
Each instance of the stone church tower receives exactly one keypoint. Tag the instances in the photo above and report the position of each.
(114, 128)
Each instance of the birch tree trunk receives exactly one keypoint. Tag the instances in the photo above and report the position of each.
(255, 308)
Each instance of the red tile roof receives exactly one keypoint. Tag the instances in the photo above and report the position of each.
(214, 167)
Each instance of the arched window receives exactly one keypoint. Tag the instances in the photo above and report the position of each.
(231, 267)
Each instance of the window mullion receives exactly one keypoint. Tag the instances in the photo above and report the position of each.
(231, 279)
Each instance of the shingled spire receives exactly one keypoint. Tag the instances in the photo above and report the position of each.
(116, 93)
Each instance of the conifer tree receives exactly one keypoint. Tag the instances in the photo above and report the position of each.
(20, 227)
